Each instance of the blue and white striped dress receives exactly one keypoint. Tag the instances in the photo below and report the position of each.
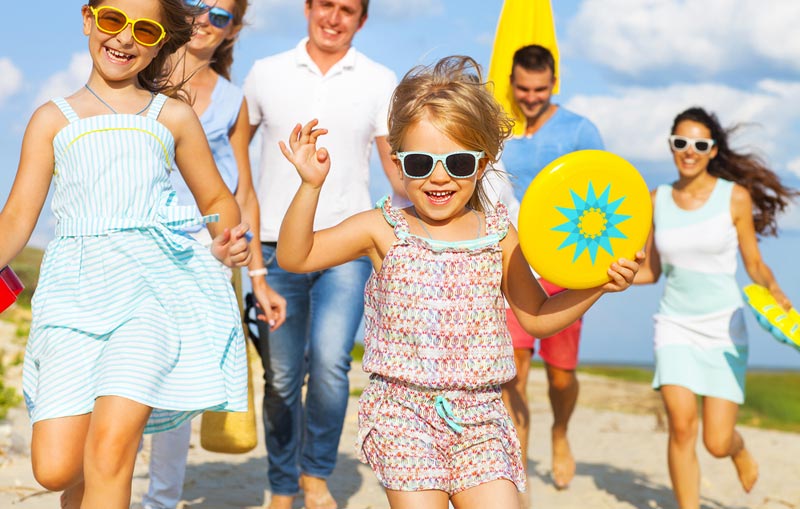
(127, 305)
(700, 335)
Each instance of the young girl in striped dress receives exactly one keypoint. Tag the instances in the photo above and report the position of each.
(432, 424)
(135, 327)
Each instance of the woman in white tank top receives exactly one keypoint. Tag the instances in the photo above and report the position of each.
(721, 201)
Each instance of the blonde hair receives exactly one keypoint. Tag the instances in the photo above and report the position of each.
(452, 96)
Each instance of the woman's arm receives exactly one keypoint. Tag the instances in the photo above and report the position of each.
(650, 270)
(273, 305)
(759, 272)
(543, 316)
(300, 248)
(34, 174)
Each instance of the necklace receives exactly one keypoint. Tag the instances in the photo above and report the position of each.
(419, 220)
(152, 95)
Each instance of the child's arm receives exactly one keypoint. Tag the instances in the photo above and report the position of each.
(757, 269)
(193, 156)
(543, 316)
(300, 248)
(34, 174)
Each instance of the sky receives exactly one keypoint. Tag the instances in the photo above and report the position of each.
(628, 65)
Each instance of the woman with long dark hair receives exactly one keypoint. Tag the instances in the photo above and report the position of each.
(720, 203)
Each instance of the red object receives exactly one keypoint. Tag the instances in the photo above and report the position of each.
(10, 287)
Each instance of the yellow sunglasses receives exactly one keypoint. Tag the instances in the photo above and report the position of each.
(111, 20)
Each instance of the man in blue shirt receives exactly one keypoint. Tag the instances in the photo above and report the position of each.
(551, 131)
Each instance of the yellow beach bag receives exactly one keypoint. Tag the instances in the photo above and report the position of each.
(232, 432)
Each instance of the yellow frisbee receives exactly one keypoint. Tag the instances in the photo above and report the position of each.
(783, 325)
(582, 212)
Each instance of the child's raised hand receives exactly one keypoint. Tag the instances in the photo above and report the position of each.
(231, 246)
(622, 273)
(312, 164)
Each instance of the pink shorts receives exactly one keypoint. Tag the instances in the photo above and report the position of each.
(412, 444)
(559, 350)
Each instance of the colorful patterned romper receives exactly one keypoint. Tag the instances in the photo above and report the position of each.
(126, 304)
(437, 348)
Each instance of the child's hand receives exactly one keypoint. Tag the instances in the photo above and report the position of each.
(231, 246)
(312, 164)
(622, 273)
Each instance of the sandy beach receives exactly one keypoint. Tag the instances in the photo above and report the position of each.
(617, 436)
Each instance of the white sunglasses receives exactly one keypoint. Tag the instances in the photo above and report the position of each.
(681, 144)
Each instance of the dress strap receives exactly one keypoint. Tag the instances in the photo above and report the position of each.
(497, 221)
(156, 105)
(66, 109)
(393, 216)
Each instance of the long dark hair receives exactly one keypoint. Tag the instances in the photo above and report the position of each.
(222, 60)
(746, 169)
(177, 19)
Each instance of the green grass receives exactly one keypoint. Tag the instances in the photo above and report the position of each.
(26, 265)
(358, 352)
(8, 395)
(772, 399)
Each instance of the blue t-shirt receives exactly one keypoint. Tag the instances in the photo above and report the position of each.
(218, 119)
(565, 132)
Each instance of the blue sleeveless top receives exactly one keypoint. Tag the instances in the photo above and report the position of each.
(217, 120)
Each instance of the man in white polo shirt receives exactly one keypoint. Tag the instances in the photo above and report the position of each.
(324, 77)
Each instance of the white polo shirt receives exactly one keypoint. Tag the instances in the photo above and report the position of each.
(351, 101)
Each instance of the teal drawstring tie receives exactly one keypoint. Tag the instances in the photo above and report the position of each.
(445, 411)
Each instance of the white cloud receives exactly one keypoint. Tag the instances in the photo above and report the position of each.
(708, 37)
(794, 166)
(263, 14)
(635, 121)
(406, 8)
(68, 81)
(10, 79)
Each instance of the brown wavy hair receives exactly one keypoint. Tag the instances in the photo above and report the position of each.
(178, 22)
(452, 95)
(364, 7)
(746, 169)
(222, 61)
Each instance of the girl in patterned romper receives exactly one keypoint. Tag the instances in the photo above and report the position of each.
(135, 327)
(432, 424)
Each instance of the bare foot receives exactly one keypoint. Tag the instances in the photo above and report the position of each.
(563, 462)
(280, 502)
(747, 468)
(316, 493)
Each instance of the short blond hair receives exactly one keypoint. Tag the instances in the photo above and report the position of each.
(451, 95)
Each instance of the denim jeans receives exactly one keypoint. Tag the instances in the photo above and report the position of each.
(323, 312)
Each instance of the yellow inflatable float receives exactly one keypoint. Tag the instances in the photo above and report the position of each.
(783, 325)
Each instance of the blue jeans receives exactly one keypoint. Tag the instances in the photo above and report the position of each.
(323, 312)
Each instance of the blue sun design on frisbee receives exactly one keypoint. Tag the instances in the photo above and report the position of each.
(592, 223)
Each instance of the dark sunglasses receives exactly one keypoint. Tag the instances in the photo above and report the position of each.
(681, 144)
(419, 165)
(217, 16)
